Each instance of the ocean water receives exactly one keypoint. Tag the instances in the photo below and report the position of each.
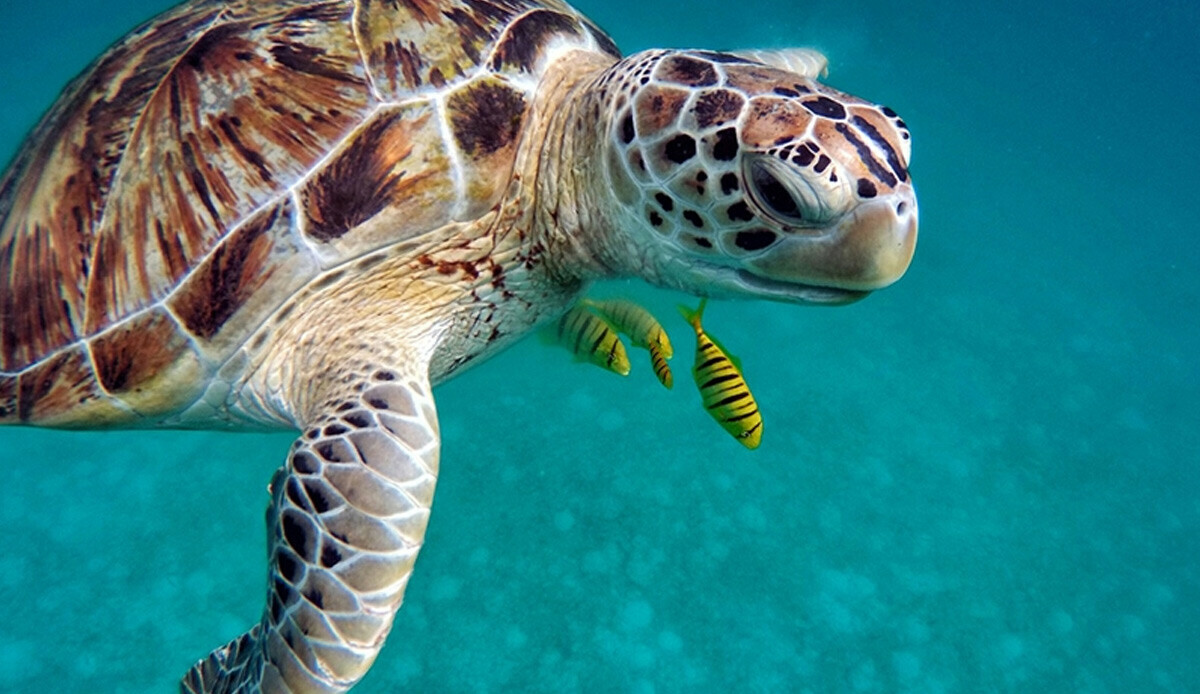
(983, 479)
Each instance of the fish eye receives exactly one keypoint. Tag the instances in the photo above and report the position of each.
(773, 195)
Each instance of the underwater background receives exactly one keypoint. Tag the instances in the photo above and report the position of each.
(983, 479)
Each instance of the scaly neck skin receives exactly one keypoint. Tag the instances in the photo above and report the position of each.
(525, 261)
(576, 216)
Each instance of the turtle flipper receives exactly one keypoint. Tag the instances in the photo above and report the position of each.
(347, 516)
(808, 62)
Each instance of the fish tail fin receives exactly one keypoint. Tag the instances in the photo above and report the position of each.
(693, 317)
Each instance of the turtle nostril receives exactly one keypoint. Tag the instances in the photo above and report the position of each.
(901, 207)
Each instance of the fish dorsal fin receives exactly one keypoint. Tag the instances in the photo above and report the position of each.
(695, 319)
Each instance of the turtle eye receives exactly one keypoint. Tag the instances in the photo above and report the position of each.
(773, 195)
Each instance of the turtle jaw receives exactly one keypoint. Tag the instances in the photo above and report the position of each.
(867, 249)
(796, 292)
(710, 279)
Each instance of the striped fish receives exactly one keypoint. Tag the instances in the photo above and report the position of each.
(722, 388)
(636, 322)
(591, 338)
(661, 368)
(643, 330)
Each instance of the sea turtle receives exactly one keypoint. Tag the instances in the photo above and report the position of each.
(304, 214)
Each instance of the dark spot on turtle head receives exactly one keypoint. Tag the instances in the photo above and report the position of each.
(664, 201)
(726, 146)
(377, 403)
(755, 239)
(680, 148)
(888, 112)
(803, 156)
(866, 188)
(729, 183)
(627, 133)
(823, 163)
(693, 217)
(335, 430)
(384, 376)
(784, 91)
(893, 158)
(739, 212)
(681, 69)
(701, 176)
(701, 241)
(824, 106)
(655, 219)
(717, 107)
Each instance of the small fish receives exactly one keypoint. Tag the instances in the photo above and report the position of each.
(636, 322)
(661, 368)
(591, 338)
(643, 330)
(722, 388)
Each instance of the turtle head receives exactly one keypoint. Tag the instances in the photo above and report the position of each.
(739, 178)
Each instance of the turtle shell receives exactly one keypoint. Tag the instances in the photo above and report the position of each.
(223, 155)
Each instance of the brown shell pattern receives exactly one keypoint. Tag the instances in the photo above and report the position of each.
(219, 157)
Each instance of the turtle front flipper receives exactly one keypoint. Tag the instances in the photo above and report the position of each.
(347, 516)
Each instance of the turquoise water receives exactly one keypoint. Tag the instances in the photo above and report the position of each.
(985, 478)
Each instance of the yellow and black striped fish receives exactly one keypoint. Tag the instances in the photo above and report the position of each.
(590, 337)
(636, 322)
(661, 368)
(643, 330)
(722, 388)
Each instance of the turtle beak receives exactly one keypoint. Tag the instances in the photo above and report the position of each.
(867, 249)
